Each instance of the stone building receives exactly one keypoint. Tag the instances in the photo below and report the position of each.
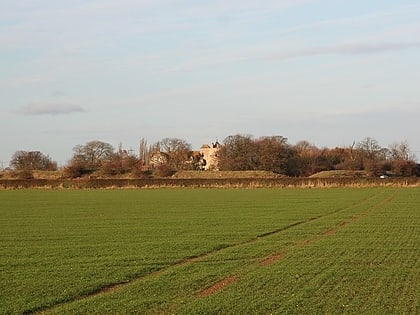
(210, 155)
(158, 158)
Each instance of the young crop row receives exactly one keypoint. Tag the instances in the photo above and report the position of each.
(211, 251)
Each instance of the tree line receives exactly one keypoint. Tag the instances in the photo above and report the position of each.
(303, 159)
(235, 153)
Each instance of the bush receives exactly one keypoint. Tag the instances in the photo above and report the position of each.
(25, 174)
(32, 160)
(404, 168)
(111, 168)
(75, 170)
(349, 165)
(119, 165)
(163, 171)
(139, 173)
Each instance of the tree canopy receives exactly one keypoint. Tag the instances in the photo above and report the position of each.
(32, 160)
(237, 153)
(93, 153)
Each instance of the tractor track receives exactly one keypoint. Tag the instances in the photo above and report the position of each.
(220, 284)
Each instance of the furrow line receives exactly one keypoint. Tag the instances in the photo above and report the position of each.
(271, 259)
(188, 260)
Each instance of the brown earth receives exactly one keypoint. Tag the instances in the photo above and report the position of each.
(271, 259)
(329, 232)
(218, 286)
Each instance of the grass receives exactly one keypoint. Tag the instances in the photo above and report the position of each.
(257, 251)
(51, 175)
(180, 174)
(225, 174)
(339, 174)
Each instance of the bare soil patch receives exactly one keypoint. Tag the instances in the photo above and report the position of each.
(109, 289)
(306, 242)
(271, 259)
(218, 286)
(329, 232)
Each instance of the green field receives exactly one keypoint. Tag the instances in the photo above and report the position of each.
(210, 251)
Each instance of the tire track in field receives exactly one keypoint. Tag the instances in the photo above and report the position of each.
(271, 259)
(113, 287)
(185, 261)
(341, 209)
(332, 230)
(218, 286)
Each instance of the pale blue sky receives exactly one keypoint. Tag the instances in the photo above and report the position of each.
(330, 72)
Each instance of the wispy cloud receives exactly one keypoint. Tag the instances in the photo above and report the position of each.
(217, 58)
(35, 26)
(367, 48)
(348, 49)
(368, 19)
(47, 108)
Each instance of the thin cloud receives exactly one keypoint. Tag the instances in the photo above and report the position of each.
(364, 48)
(249, 55)
(47, 108)
(58, 93)
(369, 18)
(348, 49)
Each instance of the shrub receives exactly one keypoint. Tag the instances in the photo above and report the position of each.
(163, 171)
(404, 168)
(75, 170)
(140, 173)
(25, 174)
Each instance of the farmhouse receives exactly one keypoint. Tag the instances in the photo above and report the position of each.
(205, 159)
(159, 158)
(210, 155)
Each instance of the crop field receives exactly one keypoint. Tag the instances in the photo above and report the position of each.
(210, 251)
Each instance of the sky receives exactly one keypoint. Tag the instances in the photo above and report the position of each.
(329, 72)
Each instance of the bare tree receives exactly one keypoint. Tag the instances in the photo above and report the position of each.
(177, 150)
(369, 148)
(238, 153)
(401, 151)
(93, 153)
(273, 154)
(353, 151)
(32, 160)
(169, 145)
(144, 152)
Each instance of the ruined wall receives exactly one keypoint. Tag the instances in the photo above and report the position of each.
(210, 155)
